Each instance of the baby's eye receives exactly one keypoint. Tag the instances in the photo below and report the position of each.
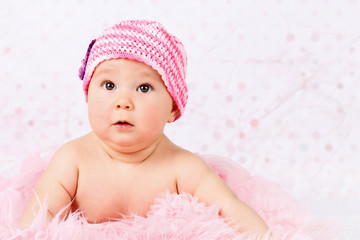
(144, 88)
(108, 85)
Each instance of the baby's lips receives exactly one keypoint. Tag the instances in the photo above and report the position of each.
(123, 123)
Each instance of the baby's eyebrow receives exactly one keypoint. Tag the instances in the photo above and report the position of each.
(148, 73)
(144, 73)
(103, 71)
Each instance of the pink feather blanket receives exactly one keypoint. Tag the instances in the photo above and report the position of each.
(172, 216)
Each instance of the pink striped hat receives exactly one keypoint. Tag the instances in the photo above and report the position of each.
(144, 41)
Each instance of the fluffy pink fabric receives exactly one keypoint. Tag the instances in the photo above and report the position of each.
(172, 216)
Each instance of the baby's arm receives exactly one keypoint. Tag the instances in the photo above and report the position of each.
(197, 178)
(57, 184)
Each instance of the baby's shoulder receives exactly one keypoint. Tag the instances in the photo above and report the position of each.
(190, 172)
(73, 149)
(185, 160)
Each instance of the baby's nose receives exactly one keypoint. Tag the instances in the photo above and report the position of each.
(124, 104)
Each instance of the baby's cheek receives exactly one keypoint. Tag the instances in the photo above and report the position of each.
(96, 116)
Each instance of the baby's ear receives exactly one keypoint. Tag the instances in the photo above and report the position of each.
(174, 113)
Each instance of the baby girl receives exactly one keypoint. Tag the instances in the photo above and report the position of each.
(134, 81)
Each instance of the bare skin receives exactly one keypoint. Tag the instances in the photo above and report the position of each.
(117, 169)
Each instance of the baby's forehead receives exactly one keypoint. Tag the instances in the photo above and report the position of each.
(126, 65)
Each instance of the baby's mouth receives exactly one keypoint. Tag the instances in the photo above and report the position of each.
(123, 124)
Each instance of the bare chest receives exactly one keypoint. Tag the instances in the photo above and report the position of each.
(106, 193)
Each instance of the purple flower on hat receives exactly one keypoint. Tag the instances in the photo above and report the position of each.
(84, 61)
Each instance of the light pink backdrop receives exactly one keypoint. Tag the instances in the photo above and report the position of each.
(273, 85)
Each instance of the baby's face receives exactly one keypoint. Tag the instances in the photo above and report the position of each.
(128, 104)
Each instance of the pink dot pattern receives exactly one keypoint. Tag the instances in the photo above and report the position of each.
(148, 42)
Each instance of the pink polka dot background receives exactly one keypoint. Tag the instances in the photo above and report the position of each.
(273, 85)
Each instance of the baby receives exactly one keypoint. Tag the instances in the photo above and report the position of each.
(134, 81)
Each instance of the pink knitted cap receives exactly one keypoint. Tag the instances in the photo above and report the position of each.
(144, 41)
